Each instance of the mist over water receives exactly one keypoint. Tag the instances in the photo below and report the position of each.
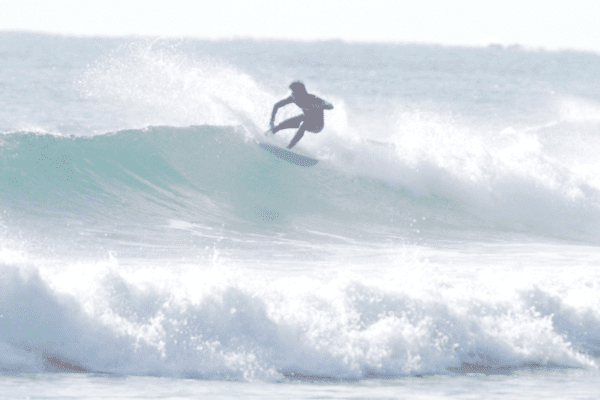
(450, 226)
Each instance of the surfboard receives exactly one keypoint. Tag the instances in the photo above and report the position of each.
(289, 156)
(280, 153)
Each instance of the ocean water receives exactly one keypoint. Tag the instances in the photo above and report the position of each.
(446, 245)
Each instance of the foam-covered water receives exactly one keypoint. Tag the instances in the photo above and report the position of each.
(449, 228)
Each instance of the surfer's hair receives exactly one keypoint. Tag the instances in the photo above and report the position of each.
(298, 86)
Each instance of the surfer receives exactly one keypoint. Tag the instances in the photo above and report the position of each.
(311, 120)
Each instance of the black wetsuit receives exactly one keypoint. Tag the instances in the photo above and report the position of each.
(312, 120)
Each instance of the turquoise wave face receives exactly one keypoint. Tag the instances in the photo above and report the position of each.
(219, 176)
(208, 173)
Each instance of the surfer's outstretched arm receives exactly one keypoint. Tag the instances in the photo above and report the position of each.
(276, 107)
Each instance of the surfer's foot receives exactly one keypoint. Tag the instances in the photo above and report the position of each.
(269, 132)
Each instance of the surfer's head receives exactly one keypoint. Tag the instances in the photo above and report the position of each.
(298, 87)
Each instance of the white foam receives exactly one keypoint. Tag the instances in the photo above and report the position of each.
(574, 109)
(514, 174)
(150, 85)
(406, 312)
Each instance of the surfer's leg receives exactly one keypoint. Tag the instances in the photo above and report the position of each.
(298, 136)
(289, 123)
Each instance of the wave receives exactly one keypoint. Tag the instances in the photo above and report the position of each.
(225, 323)
(219, 175)
(383, 162)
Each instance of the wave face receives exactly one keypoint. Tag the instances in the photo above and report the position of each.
(218, 175)
(206, 173)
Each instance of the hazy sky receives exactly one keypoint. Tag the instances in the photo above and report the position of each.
(548, 24)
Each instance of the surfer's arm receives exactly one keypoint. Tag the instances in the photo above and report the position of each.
(277, 106)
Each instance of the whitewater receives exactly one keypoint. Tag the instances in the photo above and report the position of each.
(446, 245)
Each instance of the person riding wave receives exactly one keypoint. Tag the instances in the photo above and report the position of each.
(311, 120)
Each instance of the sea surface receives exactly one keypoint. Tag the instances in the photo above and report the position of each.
(446, 245)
